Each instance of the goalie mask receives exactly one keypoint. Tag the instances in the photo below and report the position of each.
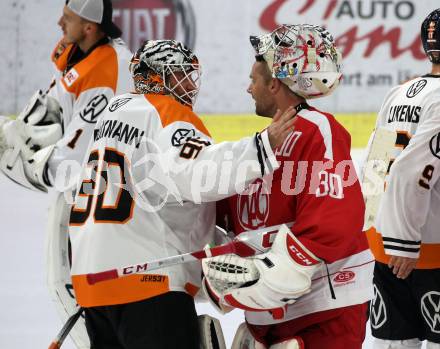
(303, 57)
(430, 35)
(166, 67)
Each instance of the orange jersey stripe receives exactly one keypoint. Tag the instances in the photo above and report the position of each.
(60, 54)
(429, 253)
(175, 111)
(123, 290)
(103, 62)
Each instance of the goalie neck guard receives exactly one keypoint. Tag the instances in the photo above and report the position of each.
(430, 35)
(303, 57)
(166, 67)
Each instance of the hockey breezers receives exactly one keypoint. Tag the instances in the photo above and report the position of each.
(249, 243)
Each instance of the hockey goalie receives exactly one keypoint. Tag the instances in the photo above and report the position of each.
(310, 290)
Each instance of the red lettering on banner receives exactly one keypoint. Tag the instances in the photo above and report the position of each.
(330, 8)
(348, 40)
(306, 6)
(267, 19)
(376, 38)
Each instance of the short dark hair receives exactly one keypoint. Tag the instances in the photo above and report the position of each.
(267, 74)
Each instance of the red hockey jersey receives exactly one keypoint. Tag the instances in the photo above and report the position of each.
(316, 188)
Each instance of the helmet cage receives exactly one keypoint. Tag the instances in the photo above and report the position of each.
(182, 81)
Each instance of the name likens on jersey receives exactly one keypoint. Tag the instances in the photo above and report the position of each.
(404, 113)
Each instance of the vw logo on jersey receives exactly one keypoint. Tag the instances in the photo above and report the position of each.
(430, 306)
(94, 108)
(181, 135)
(415, 88)
(253, 205)
(434, 145)
(119, 103)
(378, 311)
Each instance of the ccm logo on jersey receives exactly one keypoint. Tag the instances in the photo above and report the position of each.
(71, 77)
(95, 107)
(135, 269)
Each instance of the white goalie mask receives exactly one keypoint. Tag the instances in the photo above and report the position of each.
(166, 67)
(303, 57)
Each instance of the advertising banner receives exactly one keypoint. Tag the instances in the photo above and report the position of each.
(379, 41)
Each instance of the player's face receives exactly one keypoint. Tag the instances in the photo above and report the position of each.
(72, 26)
(259, 90)
(185, 85)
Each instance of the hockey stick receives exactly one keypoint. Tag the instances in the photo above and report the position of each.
(247, 244)
(71, 321)
(374, 171)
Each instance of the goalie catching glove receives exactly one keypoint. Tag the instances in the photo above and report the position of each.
(27, 142)
(266, 282)
(41, 110)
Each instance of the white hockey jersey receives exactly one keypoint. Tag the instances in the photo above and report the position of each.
(151, 168)
(83, 91)
(408, 221)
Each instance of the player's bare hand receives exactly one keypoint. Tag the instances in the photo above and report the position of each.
(402, 266)
(282, 124)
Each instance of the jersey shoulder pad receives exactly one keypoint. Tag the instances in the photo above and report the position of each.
(171, 111)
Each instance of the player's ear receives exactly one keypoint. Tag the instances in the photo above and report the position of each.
(90, 27)
(274, 85)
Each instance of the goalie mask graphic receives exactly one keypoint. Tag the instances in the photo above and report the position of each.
(430, 35)
(166, 67)
(303, 57)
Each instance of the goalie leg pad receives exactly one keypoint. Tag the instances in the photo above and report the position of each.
(243, 339)
(211, 334)
(58, 270)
